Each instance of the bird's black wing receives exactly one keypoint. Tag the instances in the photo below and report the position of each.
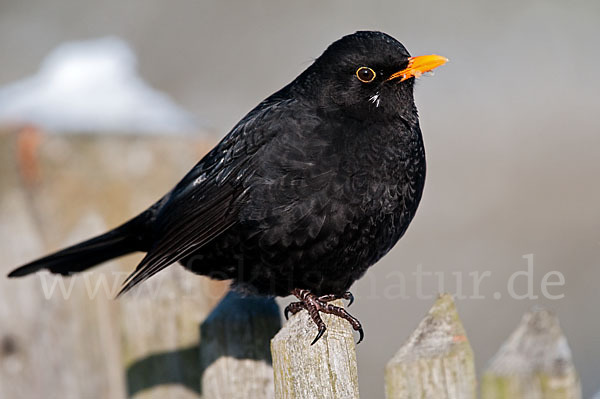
(206, 202)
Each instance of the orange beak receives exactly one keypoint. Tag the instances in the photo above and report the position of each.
(417, 66)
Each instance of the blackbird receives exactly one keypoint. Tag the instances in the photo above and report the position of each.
(308, 190)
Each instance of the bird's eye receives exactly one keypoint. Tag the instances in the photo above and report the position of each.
(365, 74)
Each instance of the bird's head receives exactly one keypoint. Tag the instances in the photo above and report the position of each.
(367, 73)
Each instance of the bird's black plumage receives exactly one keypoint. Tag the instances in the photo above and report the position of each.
(307, 191)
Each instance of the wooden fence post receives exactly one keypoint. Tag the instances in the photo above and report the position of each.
(325, 370)
(436, 361)
(235, 358)
(534, 363)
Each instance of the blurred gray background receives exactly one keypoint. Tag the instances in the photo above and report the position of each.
(511, 127)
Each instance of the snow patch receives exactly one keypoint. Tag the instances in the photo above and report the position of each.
(92, 86)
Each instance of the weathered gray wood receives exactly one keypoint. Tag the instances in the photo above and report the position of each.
(436, 361)
(325, 370)
(534, 363)
(57, 189)
(235, 357)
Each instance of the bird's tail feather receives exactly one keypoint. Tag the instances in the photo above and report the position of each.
(122, 240)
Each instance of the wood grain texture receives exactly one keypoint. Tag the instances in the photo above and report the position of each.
(436, 361)
(534, 363)
(235, 357)
(324, 370)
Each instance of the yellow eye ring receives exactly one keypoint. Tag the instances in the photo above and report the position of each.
(365, 74)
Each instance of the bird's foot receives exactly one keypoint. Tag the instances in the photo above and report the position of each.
(314, 304)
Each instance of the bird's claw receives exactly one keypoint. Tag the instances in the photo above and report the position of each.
(314, 305)
(361, 335)
(349, 297)
(293, 308)
(319, 334)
